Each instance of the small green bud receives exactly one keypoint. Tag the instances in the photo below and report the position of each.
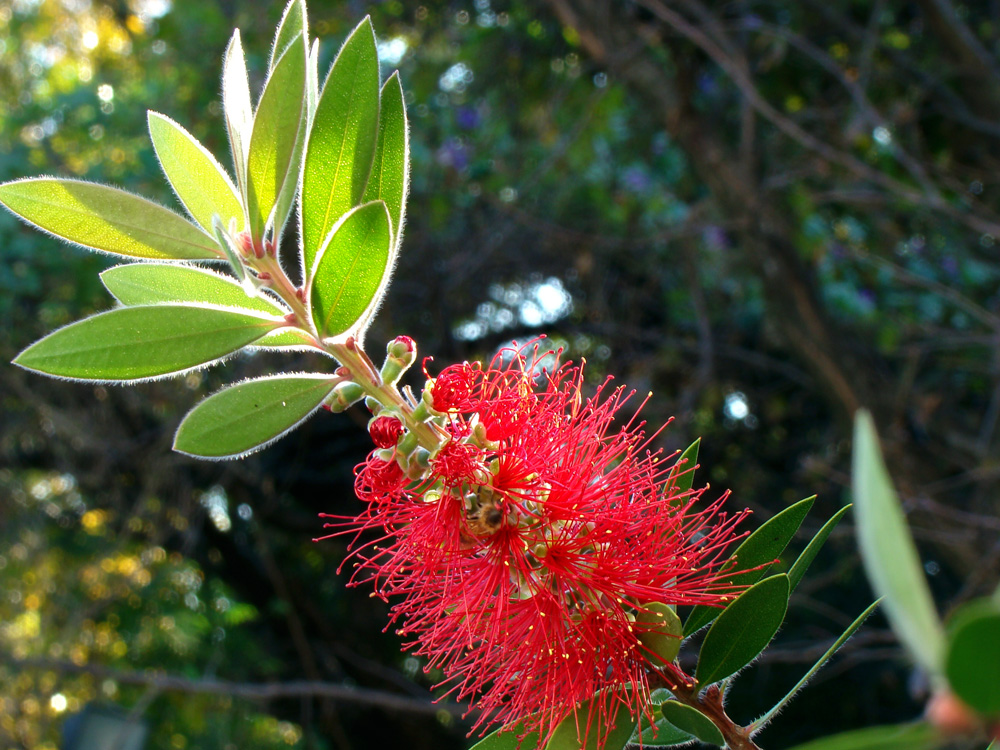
(401, 352)
(660, 631)
(345, 395)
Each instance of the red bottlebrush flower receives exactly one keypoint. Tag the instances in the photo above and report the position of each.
(453, 388)
(385, 431)
(520, 560)
(378, 478)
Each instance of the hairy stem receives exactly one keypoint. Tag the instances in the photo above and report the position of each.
(709, 702)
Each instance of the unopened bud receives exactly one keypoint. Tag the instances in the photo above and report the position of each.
(401, 352)
(345, 395)
(245, 244)
(374, 405)
(385, 431)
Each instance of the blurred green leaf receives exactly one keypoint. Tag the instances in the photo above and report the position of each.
(390, 171)
(276, 142)
(107, 219)
(743, 629)
(250, 415)
(888, 552)
(293, 23)
(138, 343)
(341, 144)
(152, 283)
(692, 721)
(198, 179)
(918, 736)
(350, 268)
(972, 656)
(237, 106)
(812, 549)
(764, 720)
(761, 547)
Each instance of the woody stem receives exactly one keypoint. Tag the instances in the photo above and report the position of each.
(708, 702)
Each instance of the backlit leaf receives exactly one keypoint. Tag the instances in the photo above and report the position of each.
(389, 178)
(276, 142)
(341, 143)
(107, 219)
(139, 343)
(350, 269)
(153, 283)
(200, 182)
(237, 107)
(293, 23)
(247, 416)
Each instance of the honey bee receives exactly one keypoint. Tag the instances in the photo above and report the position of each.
(483, 517)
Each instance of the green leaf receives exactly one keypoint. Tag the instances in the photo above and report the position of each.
(761, 547)
(276, 142)
(661, 734)
(972, 658)
(888, 552)
(812, 549)
(390, 173)
(743, 629)
(228, 245)
(293, 23)
(341, 144)
(107, 219)
(237, 107)
(350, 269)
(200, 182)
(918, 736)
(286, 338)
(683, 471)
(692, 721)
(588, 719)
(250, 415)
(506, 738)
(764, 720)
(139, 343)
(154, 283)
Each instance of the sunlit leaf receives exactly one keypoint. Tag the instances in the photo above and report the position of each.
(743, 629)
(888, 552)
(250, 415)
(350, 269)
(200, 182)
(341, 143)
(276, 142)
(692, 721)
(293, 23)
(389, 178)
(761, 547)
(138, 343)
(154, 283)
(107, 219)
(237, 107)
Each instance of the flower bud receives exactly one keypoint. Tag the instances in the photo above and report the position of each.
(401, 352)
(343, 396)
(660, 631)
(385, 431)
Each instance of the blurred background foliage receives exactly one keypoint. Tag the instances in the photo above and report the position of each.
(768, 213)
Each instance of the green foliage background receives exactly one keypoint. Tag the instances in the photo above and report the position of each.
(592, 174)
